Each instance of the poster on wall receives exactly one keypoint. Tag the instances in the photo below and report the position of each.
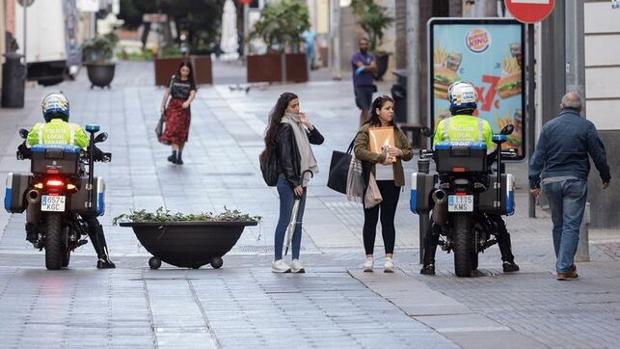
(489, 54)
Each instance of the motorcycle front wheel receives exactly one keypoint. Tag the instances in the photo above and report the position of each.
(463, 245)
(54, 242)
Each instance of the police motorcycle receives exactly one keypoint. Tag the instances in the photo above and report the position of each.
(461, 196)
(58, 193)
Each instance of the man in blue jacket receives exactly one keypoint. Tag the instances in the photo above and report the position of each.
(561, 164)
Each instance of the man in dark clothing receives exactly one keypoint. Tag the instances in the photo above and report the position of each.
(364, 66)
(561, 164)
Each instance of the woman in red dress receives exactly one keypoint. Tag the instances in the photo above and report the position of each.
(178, 96)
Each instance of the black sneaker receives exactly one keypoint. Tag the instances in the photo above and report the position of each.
(104, 263)
(179, 161)
(428, 269)
(510, 267)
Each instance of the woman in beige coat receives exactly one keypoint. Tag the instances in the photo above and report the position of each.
(387, 169)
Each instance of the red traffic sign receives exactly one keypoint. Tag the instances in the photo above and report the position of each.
(530, 11)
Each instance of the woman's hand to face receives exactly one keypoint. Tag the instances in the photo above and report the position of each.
(304, 120)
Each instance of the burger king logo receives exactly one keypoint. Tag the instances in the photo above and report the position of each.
(478, 40)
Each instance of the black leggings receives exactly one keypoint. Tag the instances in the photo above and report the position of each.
(390, 194)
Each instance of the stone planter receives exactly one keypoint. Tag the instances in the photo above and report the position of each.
(100, 74)
(272, 67)
(188, 244)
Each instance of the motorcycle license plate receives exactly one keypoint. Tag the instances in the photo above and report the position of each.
(53, 203)
(460, 203)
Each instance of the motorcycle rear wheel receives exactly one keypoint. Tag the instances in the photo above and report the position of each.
(55, 249)
(463, 246)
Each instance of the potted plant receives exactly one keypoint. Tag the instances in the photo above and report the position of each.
(280, 27)
(374, 19)
(187, 240)
(97, 54)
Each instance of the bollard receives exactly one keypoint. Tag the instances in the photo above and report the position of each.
(583, 248)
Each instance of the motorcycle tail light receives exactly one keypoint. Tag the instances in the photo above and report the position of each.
(54, 183)
(39, 185)
(458, 169)
(70, 186)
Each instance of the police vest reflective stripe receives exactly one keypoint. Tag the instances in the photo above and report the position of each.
(72, 134)
(446, 130)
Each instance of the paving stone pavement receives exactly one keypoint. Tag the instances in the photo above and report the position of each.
(243, 304)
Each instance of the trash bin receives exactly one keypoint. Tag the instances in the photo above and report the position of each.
(13, 81)
(399, 94)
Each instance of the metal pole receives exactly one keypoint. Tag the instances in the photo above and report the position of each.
(335, 32)
(413, 56)
(575, 81)
(25, 42)
(531, 111)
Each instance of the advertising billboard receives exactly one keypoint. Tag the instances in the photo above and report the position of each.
(489, 54)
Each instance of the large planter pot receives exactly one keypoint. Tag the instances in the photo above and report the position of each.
(382, 66)
(269, 68)
(100, 74)
(166, 67)
(188, 244)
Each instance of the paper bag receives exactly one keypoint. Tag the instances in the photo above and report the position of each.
(379, 137)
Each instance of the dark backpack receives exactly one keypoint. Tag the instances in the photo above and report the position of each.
(269, 167)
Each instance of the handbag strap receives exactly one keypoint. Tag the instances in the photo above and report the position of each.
(350, 148)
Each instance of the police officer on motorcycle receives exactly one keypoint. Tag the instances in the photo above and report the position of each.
(463, 126)
(58, 130)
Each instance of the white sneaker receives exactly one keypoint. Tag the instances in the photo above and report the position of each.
(388, 267)
(297, 267)
(369, 264)
(280, 266)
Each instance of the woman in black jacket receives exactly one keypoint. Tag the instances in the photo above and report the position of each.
(289, 135)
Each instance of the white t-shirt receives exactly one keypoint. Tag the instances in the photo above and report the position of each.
(384, 172)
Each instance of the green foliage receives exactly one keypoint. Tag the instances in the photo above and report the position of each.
(162, 215)
(171, 52)
(374, 19)
(201, 19)
(99, 49)
(145, 55)
(282, 24)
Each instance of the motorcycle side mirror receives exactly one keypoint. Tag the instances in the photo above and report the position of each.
(426, 132)
(102, 137)
(23, 133)
(507, 130)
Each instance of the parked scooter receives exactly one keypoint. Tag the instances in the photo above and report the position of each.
(463, 196)
(60, 190)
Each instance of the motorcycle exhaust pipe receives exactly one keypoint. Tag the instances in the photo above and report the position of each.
(33, 212)
(440, 211)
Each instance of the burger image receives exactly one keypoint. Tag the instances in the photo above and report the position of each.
(510, 84)
(442, 79)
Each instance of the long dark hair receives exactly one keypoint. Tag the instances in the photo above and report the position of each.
(275, 118)
(190, 77)
(378, 103)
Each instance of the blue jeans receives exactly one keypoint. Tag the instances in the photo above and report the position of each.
(567, 200)
(287, 200)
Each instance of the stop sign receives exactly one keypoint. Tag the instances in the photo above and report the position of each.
(530, 11)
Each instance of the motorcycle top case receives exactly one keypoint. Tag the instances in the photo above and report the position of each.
(461, 157)
(15, 192)
(55, 159)
(488, 198)
(79, 199)
(422, 185)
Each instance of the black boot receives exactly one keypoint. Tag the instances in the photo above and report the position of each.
(179, 157)
(428, 269)
(95, 232)
(173, 158)
(510, 266)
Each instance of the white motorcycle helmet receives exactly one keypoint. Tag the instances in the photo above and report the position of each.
(463, 97)
(55, 106)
